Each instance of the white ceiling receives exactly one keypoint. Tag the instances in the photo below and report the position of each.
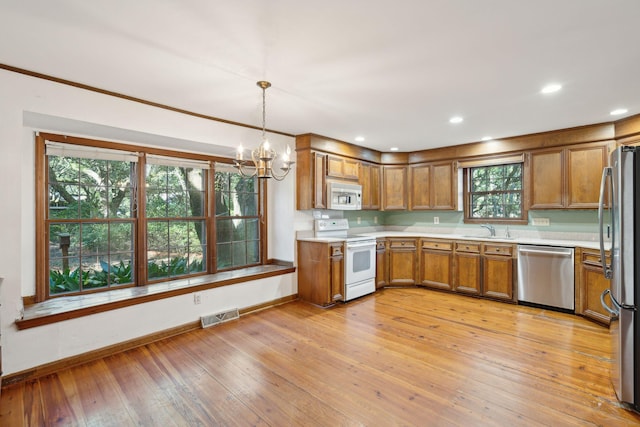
(393, 71)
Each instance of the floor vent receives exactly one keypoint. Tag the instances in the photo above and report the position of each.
(214, 319)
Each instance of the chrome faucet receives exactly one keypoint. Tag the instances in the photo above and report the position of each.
(491, 229)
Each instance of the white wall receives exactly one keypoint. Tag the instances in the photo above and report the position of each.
(28, 104)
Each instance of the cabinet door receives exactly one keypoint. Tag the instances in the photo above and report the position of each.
(497, 277)
(337, 273)
(381, 264)
(592, 283)
(436, 258)
(340, 167)
(420, 177)
(497, 271)
(467, 273)
(546, 179)
(584, 167)
(444, 186)
(394, 188)
(403, 259)
(370, 182)
(319, 194)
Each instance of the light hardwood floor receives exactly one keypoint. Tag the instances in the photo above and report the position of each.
(400, 357)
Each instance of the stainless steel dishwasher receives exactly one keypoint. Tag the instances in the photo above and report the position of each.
(545, 276)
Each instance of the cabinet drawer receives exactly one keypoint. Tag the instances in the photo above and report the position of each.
(402, 243)
(437, 244)
(468, 247)
(593, 258)
(497, 249)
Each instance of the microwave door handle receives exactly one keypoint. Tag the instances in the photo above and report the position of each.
(606, 269)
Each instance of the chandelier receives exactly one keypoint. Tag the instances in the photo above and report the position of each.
(261, 162)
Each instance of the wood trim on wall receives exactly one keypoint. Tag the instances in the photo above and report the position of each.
(131, 98)
(627, 127)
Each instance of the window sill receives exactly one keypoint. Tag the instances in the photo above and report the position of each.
(65, 308)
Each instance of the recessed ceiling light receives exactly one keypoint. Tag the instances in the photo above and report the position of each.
(487, 138)
(551, 88)
(359, 138)
(618, 111)
(393, 149)
(456, 119)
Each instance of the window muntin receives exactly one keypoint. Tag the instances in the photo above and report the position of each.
(237, 219)
(176, 221)
(496, 192)
(89, 221)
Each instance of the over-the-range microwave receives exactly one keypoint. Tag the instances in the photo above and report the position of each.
(343, 196)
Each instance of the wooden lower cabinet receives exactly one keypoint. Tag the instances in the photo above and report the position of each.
(467, 267)
(436, 257)
(497, 271)
(591, 283)
(403, 257)
(382, 271)
(320, 272)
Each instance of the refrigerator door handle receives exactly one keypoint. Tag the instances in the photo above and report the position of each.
(606, 269)
(613, 312)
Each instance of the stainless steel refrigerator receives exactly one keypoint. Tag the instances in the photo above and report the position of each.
(620, 198)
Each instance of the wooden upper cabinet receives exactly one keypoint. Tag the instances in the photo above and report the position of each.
(420, 186)
(433, 186)
(370, 182)
(584, 168)
(568, 177)
(546, 179)
(394, 188)
(444, 190)
(318, 167)
(343, 168)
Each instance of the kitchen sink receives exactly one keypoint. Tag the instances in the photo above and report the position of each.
(488, 237)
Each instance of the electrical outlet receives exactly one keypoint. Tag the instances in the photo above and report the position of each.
(436, 220)
(543, 222)
(197, 298)
(358, 220)
(375, 219)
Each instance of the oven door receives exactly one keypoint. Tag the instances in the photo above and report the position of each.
(360, 261)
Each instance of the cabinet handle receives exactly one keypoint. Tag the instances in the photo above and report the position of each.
(402, 243)
(497, 249)
(467, 247)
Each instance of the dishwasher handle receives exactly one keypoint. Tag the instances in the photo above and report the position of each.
(560, 252)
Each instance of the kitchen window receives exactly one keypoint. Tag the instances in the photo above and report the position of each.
(111, 218)
(494, 192)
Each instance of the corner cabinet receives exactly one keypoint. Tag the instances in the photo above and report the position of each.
(590, 285)
(394, 188)
(403, 261)
(320, 272)
(436, 261)
(433, 186)
(567, 177)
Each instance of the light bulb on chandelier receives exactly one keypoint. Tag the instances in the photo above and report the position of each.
(262, 158)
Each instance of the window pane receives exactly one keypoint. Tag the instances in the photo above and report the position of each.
(224, 255)
(239, 250)
(253, 229)
(64, 275)
(121, 237)
(496, 191)
(238, 232)
(95, 238)
(223, 230)
(253, 252)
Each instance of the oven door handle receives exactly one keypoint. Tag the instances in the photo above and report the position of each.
(361, 245)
